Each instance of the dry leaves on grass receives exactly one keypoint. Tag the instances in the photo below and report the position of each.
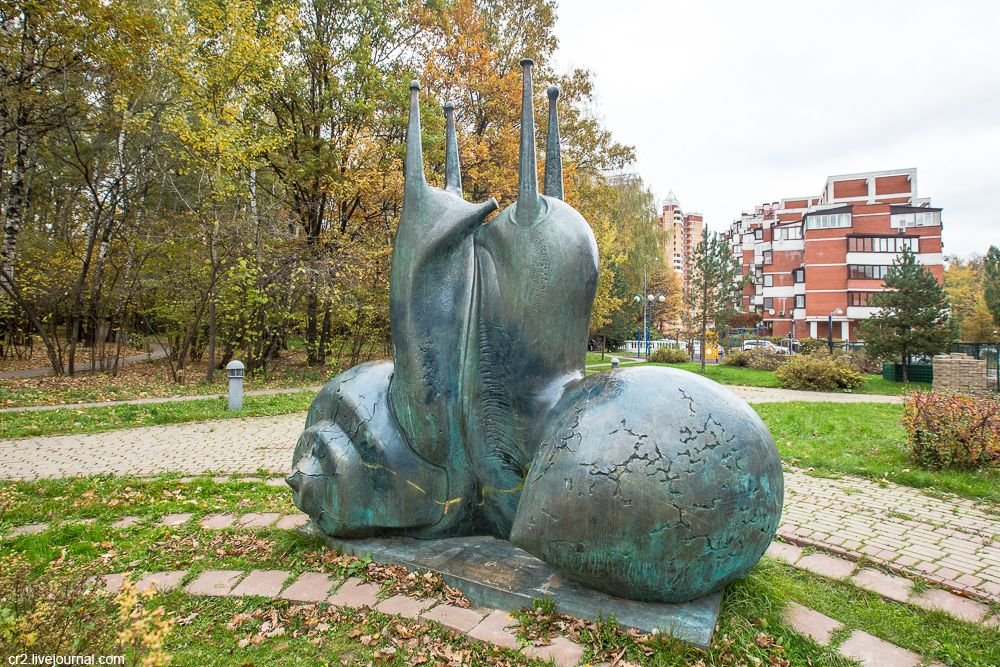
(393, 578)
(385, 638)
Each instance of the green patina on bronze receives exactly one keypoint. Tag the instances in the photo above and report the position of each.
(644, 483)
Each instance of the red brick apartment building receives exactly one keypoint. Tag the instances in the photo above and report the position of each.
(808, 257)
(684, 235)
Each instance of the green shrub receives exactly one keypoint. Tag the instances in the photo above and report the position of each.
(861, 360)
(669, 355)
(819, 373)
(946, 430)
(764, 359)
(812, 345)
(739, 359)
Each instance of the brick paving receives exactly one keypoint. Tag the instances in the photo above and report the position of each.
(495, 626)
(952, 542)
(891, 587)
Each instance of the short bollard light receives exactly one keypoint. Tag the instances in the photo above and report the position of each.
(614, 362)
(235, 371)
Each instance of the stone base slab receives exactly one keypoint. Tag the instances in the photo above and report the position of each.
(495, 573)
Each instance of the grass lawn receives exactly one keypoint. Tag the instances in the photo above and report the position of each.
(227, 631)
(751, 377)
(94, 420)
(864, 439)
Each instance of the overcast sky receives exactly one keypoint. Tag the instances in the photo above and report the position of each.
(736, 103)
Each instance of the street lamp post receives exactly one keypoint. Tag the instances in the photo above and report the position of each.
(653, 299)
(829, 328)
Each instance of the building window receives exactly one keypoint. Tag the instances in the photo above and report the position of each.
(800, 300)
(892, 244)
(866, 271)
(758, 234)
(768, 280)
(768, 303)
(828, 221)
(799, 275)
(915, 219)
(767, 256)
(860, 298)
(787, 233)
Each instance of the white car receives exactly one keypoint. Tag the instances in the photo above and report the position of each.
(763, 345)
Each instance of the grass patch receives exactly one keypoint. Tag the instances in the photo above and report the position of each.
(225, 631)
(864, 439)
(934, 635)
(23, 424)
(751, 377)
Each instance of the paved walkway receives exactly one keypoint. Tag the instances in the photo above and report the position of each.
(953, 542)
(157, 351)
(749, 394)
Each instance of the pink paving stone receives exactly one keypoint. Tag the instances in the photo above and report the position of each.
(560, 651)
(112, 582)
(261, 582)
(309, 587)
(125, 522)
(992, 622)
(886, 585)
(955, 605)
(161, 581)
(217, 521)
(946, 573)
(851, 545)
(991, 588)
(29, 529)
(811, 623)
(355, 593)
(906, 561)
(493, 629)
(291, 521)
(456, 618)
(873, 652)
(214, 582)
(969, 580)
(785, 552)
(404, 606)
(258, 520)
(175, 519)
(928, 568)
(827, 566)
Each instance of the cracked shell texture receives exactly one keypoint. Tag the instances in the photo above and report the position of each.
(652, 484)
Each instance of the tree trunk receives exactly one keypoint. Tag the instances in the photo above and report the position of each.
(906, 375)
(14, 211)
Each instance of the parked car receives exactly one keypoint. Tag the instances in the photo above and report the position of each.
(763, 345)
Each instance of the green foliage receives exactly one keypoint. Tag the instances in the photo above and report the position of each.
(763, 359)
(714, 279)
(812, 345)
(817, 373)
(669, 355)
(991, 282)
(955, 431)
(912, 316)
(739, 359)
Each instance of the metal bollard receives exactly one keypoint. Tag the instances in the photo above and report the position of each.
(234, 370)
(614, 362)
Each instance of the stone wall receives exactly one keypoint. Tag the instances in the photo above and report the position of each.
(960, 372)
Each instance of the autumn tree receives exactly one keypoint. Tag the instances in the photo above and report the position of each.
(912, 316)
